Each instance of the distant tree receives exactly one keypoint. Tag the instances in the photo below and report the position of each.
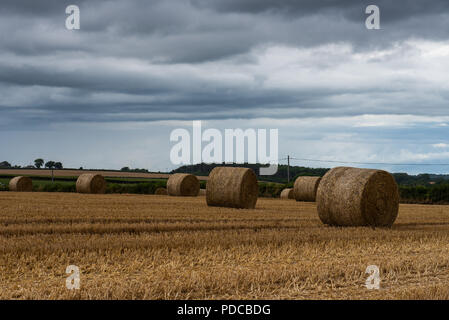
(125, 169)
(81, 168)
(38, 163)
(50, 164)
(58, 165)
(5, 165)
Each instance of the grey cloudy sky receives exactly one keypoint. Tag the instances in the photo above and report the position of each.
(109, 94)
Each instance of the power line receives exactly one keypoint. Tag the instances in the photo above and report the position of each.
(369, 163)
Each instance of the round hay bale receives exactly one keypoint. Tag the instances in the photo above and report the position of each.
(202, 192)
(90, 183)
(305, 188)
(21, 184)
(161, 191)
(287, 194)
(232, 187)
(183, 184)
(358, 197)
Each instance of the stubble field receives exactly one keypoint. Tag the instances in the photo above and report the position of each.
(160, 247)
(77, 173)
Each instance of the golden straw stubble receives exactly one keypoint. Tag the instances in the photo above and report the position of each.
(21, 184)
(91, 183)
(232, 187)
(358, 197)
(287, 193)
(183, 184)
(305, 188)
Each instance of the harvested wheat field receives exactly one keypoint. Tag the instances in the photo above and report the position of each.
(160, 247)
(76, 173)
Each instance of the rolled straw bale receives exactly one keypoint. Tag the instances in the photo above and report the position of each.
(160, 191)
(305, 188)
(183, 184)
(232, 187)
(202, 192)
(91, 183)
(21, 184)
(287, 194)
(358, 197)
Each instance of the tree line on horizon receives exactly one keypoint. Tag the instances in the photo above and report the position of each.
(38, 163)
(203, 169)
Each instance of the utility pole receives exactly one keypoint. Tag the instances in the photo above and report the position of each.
(288, 169)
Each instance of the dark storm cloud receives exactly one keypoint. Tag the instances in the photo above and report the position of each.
(197, 31)
(218, 29)
(136, 60)
(392, 10)
(37, 8)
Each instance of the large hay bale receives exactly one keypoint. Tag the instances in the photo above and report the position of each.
(305, 188)
(21, 184)
(288, 194)
(183, 184)
(232, 187)
(91, 183)
(202, 192)
(161, 191)
(358, 197)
